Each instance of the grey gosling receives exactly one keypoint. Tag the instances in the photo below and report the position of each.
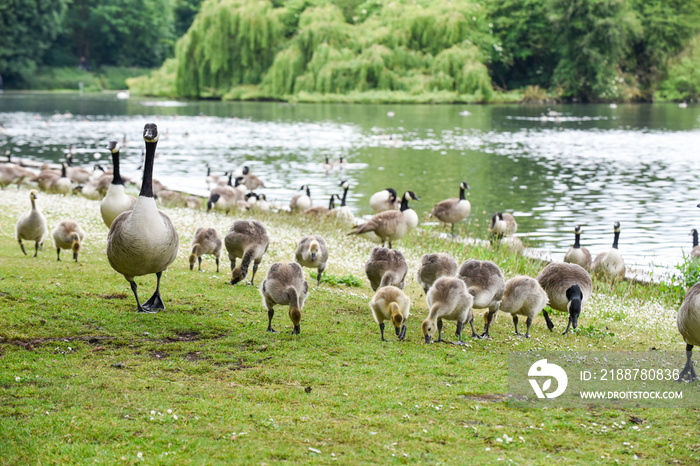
(386, 267)
(285, 285)
(448, 299)
(434, 266)
(313, 252)
(523, 296)
(205, 241)
(485, 283)
(68, 235)
(248, 240)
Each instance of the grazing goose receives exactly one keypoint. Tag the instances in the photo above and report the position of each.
(46, 177)
(688, 322)
(285, 284)
(321, 210)
(31, 226)
(576, 254)
(503, 225)
(343, 212)
(434, 266)
(313, 252)
(116, 200)
(386, 267)
(448, 299)
(248, 240)
(453, 210)
(523, 296)
(611, 263)
(68, 235)
(224, 198)
(695, 252)
(386, 199)
(205, 241)
(143, 240)
(302, 200)
(391, 224)
(485, 283)
(390, 303)
(249, 180)
(568, 287)
(12, 173)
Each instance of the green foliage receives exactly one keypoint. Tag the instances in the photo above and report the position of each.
(159, 82)
(683, 80)
(69, 78)
(335, 280)
(184, 12)
(459, 69)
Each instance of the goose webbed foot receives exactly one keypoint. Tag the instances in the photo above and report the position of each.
(688, 373)
(154, 303)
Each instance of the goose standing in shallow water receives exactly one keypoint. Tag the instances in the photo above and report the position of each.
(611, 262)
(31, 226)
(576, 254)
(285, 284)
(453, 210)
(248, 240)
(143, 240)
(116, 200)
(68, 235)
(313, 252)
(390, 303)
(568, 288)
(205, 241)
(391, 224)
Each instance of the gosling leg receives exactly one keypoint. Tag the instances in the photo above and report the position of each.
(270, 315)
(688, 371)
(199, 260)
(529, 323)
(439, 326)
(318, 277)
(22, 246)
(491, 316)
(458, 334)
(217, 265)
(515, 324)
(155, 303)
(255, 269)
(37, 246)
(381, 329)
(58, 254)
(402, 333)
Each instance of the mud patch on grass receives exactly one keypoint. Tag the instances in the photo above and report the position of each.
(112, 296)
(159, 355)
(193, 357)
(184, 336)
(29, 345)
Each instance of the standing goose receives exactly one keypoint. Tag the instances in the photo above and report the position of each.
(448, 299)
(386, 267)
(386, 199)
(31, 226)
(391, 224)
(62, 184)
(695, 252)
(343, 212)
(313, 252)
(611, 262)
(485, 283)
(284, 285)
(248, 240)
(576, 254)
(453, 210)
(434, 266)
(688, 322)
(116, 200)
(143, 240)
(568, 287)
(68, 235)
(213, 179)
(302, 200)
(503, 225)
(205, 241)
(252, 182)
(76, 174)
(390, 303)
(327, 165)
(224, 197)
(523, 296)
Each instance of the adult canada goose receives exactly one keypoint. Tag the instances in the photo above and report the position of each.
(224, 198)
(386, 267)
(391, 224)
(205, 241)
(434, 266)
(568, 287)
(261, 203)
(611, 262)
(12, 173)
(327, 166)
(76, 174)
(143, 240)
(285, 285)
(248, 240)
(695, 252)
(448, 299)
(321, 210)
(62, 184)
(31, 226)
(485, 283)
(390, 303)
(578, 255)
(523, 296)
(46, 177)
(503, 225)
(343, 212)
(341, 163)
(453, 210)
(313, 252)
(213, 179)
(68, 235)
(302, 200)
(688, 322)
(386, 199)
(116, 200)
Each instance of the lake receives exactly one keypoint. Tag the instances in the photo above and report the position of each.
(587, 164)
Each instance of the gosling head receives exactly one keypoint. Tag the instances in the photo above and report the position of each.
(33, 194)
(295, 316)
(192, 258)
(236, 275)
(428, 328)
(75, 246)
(574, 295)
(313, 249)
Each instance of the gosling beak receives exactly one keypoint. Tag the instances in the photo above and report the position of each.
(313, 256)
(191, 266)
(427, 338)
(75, 256)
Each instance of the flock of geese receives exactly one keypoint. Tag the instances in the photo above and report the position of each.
(142, 240)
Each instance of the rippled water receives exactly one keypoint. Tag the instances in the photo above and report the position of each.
(589, 165)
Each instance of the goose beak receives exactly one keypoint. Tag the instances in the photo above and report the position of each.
(427, 338)
(313, 256)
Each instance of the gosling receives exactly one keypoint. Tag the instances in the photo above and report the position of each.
(390, 303)
(31, 226)
(448, 299)
(485, 283)
(205, 241)
(68, 235)
(386, 267)
(523, 296)
(568, 288)
(313, 252)
(434, 266)
(285, 285)
(248, 240)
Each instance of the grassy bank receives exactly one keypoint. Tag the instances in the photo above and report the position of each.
(86, 379)
(105, 78)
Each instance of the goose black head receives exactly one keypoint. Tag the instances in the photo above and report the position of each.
(150, 132)
(616, 227)
(574, 296)
(463, 185)
(246, 169)
(113, 146)
(345, 184)
(577, 229)
(239, 180)
(393, 195)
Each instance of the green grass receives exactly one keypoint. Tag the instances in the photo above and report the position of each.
(85, 379)
(69, 78)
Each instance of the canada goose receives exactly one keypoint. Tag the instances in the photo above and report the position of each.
(434, 266)
(392, 225)
(695, 252)
(688, 322)
(302, 200)
(46, 177)
(213, 179)
(523, 296)
(285, 284)
(341, 163)
(386, 199)
(390, 303)
(343, 212)
(205, 241)
(485, 283)
(12, 173)
(261, 203)
(448, 299)
(224, 198)
(313, 252)
(143, 240)
(321, 210)
(31, 226)
(513, 243)
(252, 182)
(248, 240)
(68, 235)
(453, 210)
(568, 287)
(170, 198)
(76, 174)
(578, 255)
(386, 267)
(327, 166)
(611, 262)
(503, 225)
(116, 200)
